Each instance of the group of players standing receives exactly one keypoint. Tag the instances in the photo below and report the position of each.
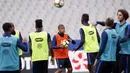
(112, 56)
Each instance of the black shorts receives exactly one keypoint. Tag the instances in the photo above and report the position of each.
(20, 63)
(91, 58)
(17, 71)
(116, 68)
(40, 66)
(105, 67)
(64, 63)
(124, 63)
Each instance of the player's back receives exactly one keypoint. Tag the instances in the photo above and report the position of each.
(9, 59)
(39, 45)
(109, 53)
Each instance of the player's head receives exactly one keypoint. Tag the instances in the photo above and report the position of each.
(7, 27)
(61, 28)
(122, 14)
(109, 22)
(84, 18)
(13, 29)
(38, 24)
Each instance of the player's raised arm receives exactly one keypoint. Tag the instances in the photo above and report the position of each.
(100, 23)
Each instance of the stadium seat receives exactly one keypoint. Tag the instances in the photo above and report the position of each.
(25, 12)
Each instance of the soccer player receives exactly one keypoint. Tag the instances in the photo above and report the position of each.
(108, 48)
(90, 39)
(122, 28)
(9, 58)
(61, 51)
(40, 45)
(17, 34)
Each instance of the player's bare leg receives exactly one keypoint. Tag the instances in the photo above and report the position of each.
(59, 71)
(69, 70)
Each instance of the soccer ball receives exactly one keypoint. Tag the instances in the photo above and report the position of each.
(65, 43)
(58, 3)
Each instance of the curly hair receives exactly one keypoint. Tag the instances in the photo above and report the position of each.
(125, 13)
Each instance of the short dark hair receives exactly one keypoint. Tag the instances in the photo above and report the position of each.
(125, 13)
(6, 26)
(60, 25)
(109, 22)
(85, 18)
(38, 23)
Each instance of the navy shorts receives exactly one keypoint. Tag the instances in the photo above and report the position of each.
(91, 58)
(64, 63)
(105, 67)
(17, 71)
(124, 63)
(20, 63)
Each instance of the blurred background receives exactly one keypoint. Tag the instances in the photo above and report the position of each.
(23, 14)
